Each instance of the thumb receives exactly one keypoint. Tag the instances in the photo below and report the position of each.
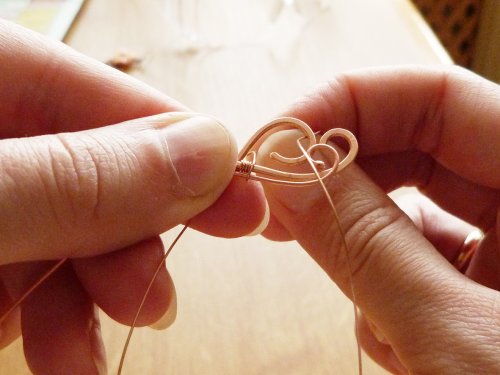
(84, 193)
(399, 280)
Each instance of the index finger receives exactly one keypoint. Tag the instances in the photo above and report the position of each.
(433, 127)
(446, 112)
(46, 87)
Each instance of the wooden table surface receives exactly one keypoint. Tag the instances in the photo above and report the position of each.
(246, 306)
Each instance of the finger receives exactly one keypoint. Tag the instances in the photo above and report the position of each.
(484, 266)
(46, 87)
(437, 110)
(61, 330)
(448, 234)
(81, 194)
(443, 230)
(399, 280)
(417, 118)
(474, 203)
(275, 231)
(118, 281)
(377, 347)
(305, 214)
(242, 208)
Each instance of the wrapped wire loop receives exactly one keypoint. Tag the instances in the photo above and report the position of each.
(248, 168)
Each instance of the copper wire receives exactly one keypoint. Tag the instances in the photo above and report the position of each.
(344, 247)
(145, 296)
(247, 167)
(244, 167)
(30, 290)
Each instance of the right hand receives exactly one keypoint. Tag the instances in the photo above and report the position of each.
(439, 130)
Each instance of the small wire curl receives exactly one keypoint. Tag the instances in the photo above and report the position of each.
(248, 168)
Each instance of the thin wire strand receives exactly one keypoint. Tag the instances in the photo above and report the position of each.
(30, 290)
(346, 252)
(148, 289)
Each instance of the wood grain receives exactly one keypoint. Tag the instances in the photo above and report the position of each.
(246, 306)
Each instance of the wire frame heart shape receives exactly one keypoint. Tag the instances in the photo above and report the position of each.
(247, 167)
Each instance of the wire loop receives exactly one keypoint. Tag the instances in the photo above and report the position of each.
(248, 168)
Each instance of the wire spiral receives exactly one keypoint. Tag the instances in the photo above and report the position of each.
(248, 168)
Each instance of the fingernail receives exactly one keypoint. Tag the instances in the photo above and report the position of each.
(377, 332)
(395, 363)
(263, 224)
(296, 199)
(97, 348)
(201, 151)
(168, 318)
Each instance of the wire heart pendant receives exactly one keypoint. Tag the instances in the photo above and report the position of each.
(247, 167)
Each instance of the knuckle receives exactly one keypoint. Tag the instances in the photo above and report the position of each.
(76, 173)
(371, 232)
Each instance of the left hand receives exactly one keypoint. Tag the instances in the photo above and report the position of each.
(71, 186)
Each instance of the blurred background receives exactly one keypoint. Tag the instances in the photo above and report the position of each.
(468, 29)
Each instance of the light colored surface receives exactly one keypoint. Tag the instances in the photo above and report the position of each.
(246, 306)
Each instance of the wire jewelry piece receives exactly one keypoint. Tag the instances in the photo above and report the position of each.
(247, 167)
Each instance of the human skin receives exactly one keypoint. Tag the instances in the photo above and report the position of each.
(436, 128)
(72, 185)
